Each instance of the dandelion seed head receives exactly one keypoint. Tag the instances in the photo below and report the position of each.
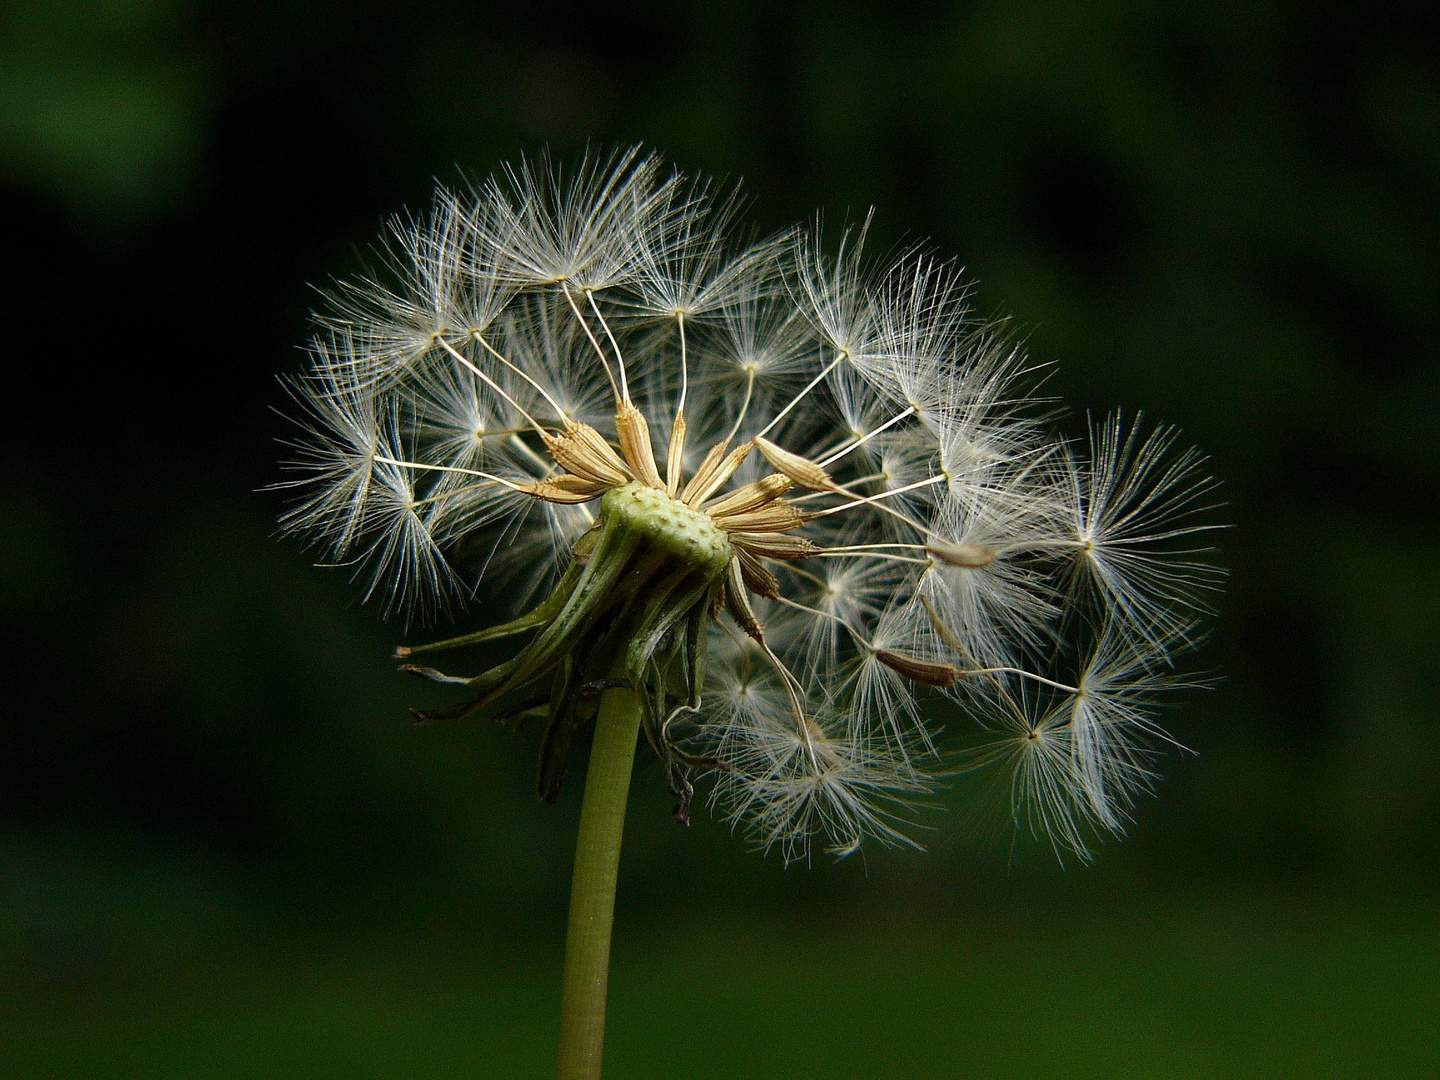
(843, 500)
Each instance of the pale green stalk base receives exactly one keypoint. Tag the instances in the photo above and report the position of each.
(592, 891)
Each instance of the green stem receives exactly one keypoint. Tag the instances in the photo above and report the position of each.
(592, 891)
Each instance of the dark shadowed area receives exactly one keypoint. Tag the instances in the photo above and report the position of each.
(225, 850)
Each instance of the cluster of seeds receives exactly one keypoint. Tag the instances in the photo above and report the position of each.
(784, 494)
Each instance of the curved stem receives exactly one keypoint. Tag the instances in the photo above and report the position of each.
(592, 890)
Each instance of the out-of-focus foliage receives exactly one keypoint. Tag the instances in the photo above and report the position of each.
(1225, 216)
(1171, 991)
(102, 104)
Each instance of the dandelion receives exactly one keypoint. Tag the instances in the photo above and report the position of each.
(754, 499)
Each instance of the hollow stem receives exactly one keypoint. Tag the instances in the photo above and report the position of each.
(592, 890)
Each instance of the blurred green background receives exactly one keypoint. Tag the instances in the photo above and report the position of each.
(225, 852)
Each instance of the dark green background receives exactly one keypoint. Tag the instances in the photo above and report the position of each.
(225, 852)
